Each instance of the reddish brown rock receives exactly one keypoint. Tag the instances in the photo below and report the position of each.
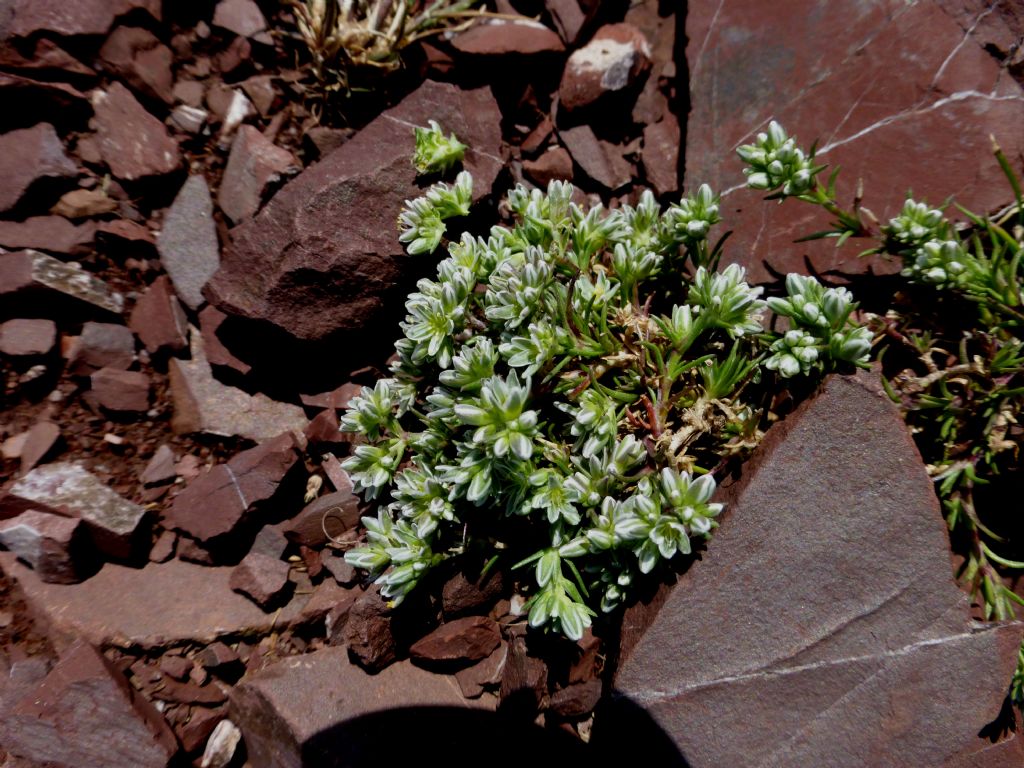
(576, 701)
(101, 345)
(27, 156)
(243, 17)
(163, 548)
(39, 279)
(262, 578)
(871, 649)
(158, 319)
(459, 641)
(660, 155)
(28, 101)
(189, 92)
(203, 404)
(336, 512)
(188, 245)
(115, 523)
(45, 56)
(253, 165)
(601, 161)
(82, 203)
(217, 655)
(571, 17)
(55, 547)
(549, 166)
(125, 231)
(47, 233)
(190, 693)
(368, 632)
(461, 595)
(136, 56)
(928, 129)
(160, 605)
(40, 440)
(200, 725)
(83, 17)
(85, 714)
(210, 320)
(487, 673)
(614, 60)
(260, 90)
(27, 337)
(323, 431)
(501, 38)
(121, 391)
(161, 468)
(343, 572)
(177, 667)
(133, 143)
(217, 503)
(316, 260)
(524, 680)
(320, 140)
(319, 709)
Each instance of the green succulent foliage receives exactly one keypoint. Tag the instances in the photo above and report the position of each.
(434, 152)
(560, 392)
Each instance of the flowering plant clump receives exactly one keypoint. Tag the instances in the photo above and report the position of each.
(565, 390)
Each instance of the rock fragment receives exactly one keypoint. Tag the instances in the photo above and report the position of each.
(553, 164)
(500, 37)
(85, 714)
(459, 641)
(660, 157)
(136, 56)
(101, 345)
(336, 512)
(601, 161)
(203, 404)
(132, 142)
(34, 276)
(114, 522)
(317, 260)
(40, 440)
(217, 503)
(160, 605)
(46, 233)
(28, 156)
(55, 547)
(284, 708)
(188, 241)
(261, 578)
(243, 17)
(861, 648)
(121, 391)
(83, 17)
(27, 337)
(254, 164)
(611, 63)
(82, 203)
(158, 319)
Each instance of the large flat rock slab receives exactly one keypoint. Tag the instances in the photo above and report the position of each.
(162, 604)
(823, 625)
(901, 95)
(282, 709)
(323, 255)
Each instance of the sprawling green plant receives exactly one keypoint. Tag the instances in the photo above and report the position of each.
(565, 389)
(955, 336)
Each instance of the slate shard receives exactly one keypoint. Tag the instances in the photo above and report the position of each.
(837, 560)
(317, 259)
(188, 241)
